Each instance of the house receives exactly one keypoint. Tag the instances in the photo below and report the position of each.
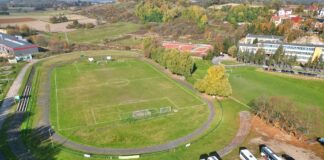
(311, 8)
(198, 50)
(296, 22)
(321, 13)
(285, 12)
(276, 20)
(17, 47)
(319, 23)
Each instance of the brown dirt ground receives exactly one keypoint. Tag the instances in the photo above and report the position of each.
(15, 20)
(281, 142)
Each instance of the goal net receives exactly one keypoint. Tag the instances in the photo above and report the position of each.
(142, 114)
(165, 110)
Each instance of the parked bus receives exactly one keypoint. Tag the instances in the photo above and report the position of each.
(246, 154)
(268, 153)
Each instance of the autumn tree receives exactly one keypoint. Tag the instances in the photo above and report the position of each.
(232, 51)
(215, 82)
(148, 45)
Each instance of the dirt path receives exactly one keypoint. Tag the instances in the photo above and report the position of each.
(245, 126)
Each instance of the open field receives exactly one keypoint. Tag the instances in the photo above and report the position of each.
(39, 20)
(215, 139)
(249, 83)
(109, 94)
(100, 33)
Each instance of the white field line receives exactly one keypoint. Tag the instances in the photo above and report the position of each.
(76, 67)
(85, 115)
(107, 83)
(176, 106)
(178, 85)
(107, 68)
(191, 107)
(130, 102)
(239, 102)
(56, 100)
(108, 122)
(119, 113)
(94, 116)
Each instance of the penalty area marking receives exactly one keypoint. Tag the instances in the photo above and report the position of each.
(174, 82)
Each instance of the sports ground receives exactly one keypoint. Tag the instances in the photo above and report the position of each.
(123, 103)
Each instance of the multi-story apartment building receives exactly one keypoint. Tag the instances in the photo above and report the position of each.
(303, 52)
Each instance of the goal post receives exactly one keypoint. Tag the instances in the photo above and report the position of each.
(165, 110)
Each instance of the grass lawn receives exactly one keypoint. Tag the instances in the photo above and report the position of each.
(100, 33)
(213, 140)
(101, 113)
(229, 62)
(201, 70)
(248, 83)
(129, 42)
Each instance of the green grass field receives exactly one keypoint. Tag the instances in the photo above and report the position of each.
(100, 33)
(95, 104)
(215, 138)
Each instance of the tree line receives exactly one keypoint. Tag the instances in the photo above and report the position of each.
(178, 63)
(215, 83)
(167, 11)
(283, 113)
(278, 59)
(58, 19)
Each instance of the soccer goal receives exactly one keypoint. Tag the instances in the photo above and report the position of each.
(165, 110)
(142, 114)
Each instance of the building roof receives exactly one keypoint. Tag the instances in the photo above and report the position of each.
(312, 8)
(291, 44)
(264, 36)
(15, 43)
(296, 19)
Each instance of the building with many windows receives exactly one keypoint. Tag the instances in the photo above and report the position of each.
(303, 52)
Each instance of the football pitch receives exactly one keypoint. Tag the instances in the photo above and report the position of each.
(123, 104)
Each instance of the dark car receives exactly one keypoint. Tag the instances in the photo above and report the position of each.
(321, 140)
(287, 157)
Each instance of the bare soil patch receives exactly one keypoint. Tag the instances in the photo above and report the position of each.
(16, 20)
(281, 142)
(40, 22)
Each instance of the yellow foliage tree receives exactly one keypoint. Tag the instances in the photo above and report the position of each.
(215, 82)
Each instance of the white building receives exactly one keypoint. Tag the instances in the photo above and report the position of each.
(303, 52)
(285, 12)
(321, 13)
(250, 38)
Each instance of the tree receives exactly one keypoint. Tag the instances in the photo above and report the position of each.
(279, 54)
(259, 57)
(255, 41)
(232, 51)
(215, 82)
(148, 45)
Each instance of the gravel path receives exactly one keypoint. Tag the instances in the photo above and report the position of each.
(245, 126)
(7, 104)
(44, 122)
